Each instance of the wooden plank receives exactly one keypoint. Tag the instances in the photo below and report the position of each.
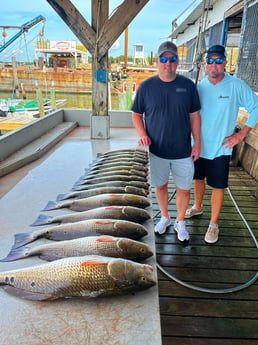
(169, 340)
(209, 327)
(236, 252)
(198, 240)
(217, 308)
(171, 288)
(10, 126)
(176, 260)
(194, 275)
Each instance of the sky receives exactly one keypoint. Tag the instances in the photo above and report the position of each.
(150, 27)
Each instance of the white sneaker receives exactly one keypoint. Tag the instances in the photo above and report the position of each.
(162, 225)
(182, 233)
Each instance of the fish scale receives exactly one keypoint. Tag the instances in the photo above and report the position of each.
(92, 245)
(88, 276)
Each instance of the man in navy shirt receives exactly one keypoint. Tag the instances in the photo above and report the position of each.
(165, 114)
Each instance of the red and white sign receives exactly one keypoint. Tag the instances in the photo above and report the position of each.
(63, 45)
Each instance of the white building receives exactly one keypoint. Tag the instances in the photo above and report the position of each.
(231, 23)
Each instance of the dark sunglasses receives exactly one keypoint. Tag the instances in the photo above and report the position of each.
(164, 59)
(218, 61)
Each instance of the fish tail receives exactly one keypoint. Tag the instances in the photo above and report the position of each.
(61, 197)
(51, 205)
(21, 239)
(15, 254)
(42, 220)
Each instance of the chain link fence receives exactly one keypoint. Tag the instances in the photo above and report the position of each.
(248, 52)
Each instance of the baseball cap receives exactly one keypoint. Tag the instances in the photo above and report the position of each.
(216, 50)
(167, 47)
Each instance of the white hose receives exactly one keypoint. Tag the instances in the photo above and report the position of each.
(218, 291)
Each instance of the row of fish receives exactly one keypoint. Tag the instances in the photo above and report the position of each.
(94, 247)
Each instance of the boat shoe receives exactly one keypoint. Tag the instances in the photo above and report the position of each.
(162, 225)
(212, 233)
(193, 211)
(182, 233)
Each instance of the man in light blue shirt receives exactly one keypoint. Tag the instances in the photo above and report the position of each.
(221, 96)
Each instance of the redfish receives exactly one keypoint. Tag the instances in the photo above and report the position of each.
(100, 200)
(92, 245)
(110, 177)
(134, 214)
(85, 276)
(104, 168)
(115, 183)
(84, 228)
(117, 171)
(97, 191)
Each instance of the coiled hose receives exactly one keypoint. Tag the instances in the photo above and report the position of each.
(216, 291)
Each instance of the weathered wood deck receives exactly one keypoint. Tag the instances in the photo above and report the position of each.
(201, 318)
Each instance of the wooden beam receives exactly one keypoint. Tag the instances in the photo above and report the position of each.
(99, 12)
(117, 23)
(76, 22)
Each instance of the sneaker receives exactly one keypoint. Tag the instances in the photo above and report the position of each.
(182, 233)
(212, 233)
(162, 225)
(193, 211)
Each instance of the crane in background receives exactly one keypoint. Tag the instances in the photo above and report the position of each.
(23, 28)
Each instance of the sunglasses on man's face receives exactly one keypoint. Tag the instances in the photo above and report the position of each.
(164, 59)
(218, 61)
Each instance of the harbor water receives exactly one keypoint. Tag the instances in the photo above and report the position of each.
(118, 101)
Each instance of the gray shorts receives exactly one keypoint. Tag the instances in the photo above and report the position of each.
(182, 171)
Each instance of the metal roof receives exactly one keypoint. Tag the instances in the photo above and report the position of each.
(191, 19)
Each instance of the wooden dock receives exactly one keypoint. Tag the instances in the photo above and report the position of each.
(201, 318)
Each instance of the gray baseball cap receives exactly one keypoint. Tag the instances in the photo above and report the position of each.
(167, 46)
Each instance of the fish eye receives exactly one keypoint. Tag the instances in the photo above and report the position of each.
(143, 278)
(142, 250)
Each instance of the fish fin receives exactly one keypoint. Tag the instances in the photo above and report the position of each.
(51, 205)
(96, 261)
(60, 197)
(87, 171)
(104, 221)
(21, 239)
(106, 239)
(50, 257)
(15, 254)
(42, 220)
(75, 187)
(79, 181)
(28, 294)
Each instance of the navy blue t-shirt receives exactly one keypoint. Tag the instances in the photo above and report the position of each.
(166, 107)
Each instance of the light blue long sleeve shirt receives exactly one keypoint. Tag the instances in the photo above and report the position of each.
(220, 105)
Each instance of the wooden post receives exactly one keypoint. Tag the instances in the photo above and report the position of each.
(15, 78)
(126, 46)
(100, 122)
(40, 102)
(53, 98)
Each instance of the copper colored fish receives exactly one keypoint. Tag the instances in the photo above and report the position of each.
(133, 214)
(98, 201)
(93, 245)
(116, 183)
(89, 227)
(86, 276)
(97, 191)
